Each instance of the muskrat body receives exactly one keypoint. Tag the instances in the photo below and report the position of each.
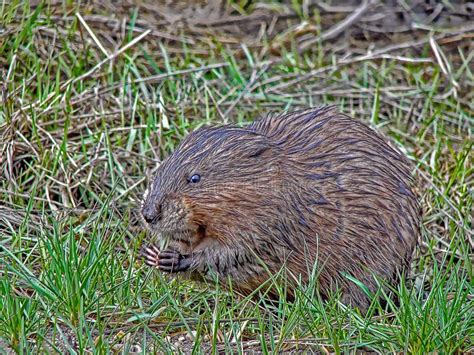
(290, 191)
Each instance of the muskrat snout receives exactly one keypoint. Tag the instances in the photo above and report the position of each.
(151, 213)
(165, 215)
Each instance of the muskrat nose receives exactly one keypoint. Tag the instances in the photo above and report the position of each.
(151, 213)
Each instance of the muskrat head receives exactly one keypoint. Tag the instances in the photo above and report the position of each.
(211, 184)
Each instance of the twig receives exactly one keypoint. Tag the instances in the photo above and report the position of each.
(444, 64)
(335, 30)
(92, 34)
(85, 75)
(150, 79)
(247, 89)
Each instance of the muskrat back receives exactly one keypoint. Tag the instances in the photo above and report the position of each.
(290, 190)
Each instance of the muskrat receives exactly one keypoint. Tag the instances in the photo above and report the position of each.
(288, 191)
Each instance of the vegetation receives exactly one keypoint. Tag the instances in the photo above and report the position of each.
(93, 96)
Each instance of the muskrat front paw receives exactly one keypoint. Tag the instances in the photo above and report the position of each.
(168, 260)
(172, 261)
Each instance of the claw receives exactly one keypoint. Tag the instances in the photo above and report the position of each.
(151, 255)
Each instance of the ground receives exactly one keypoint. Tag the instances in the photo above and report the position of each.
(94, 96)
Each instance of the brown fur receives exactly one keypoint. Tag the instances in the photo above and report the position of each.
(294, 189)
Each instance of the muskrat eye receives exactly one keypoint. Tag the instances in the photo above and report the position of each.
(195, 178)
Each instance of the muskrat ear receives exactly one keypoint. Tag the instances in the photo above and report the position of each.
(259, 151)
